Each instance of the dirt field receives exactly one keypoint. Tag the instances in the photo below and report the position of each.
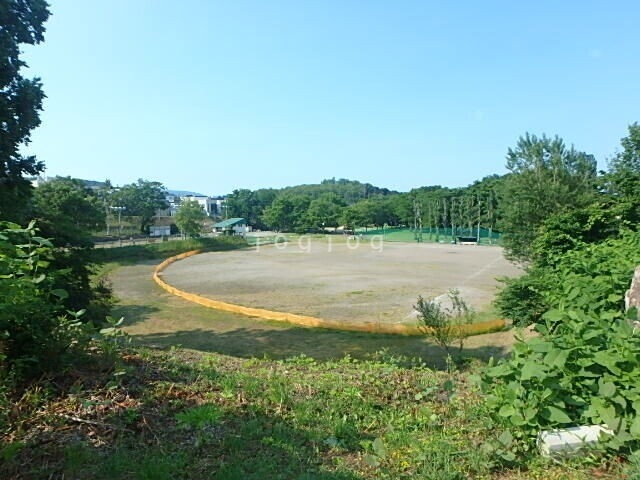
(364, 281)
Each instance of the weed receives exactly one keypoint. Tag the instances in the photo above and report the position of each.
(445, 324)
(200, 416)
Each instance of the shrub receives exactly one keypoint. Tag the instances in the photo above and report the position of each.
(34, 330)
(522, 299)
(592, 276)
(444, 324)
(584, 368)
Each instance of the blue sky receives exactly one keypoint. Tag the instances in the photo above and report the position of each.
(212, 96)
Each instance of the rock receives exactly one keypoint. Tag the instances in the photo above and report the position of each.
(632, 297)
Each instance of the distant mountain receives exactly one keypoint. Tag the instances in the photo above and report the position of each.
(185, 193)
(92, 183)
(351, 191)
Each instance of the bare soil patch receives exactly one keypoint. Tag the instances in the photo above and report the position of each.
(363, 281)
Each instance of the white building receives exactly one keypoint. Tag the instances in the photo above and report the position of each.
(207, 203)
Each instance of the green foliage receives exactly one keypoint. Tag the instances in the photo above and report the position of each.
(34, 330)
(332, 203)
(142, 199)
(595, 277)
(546, 178)
(249, 205)
(151, 464)
(522, 299)
(591, 276)
(623, 178)
(584, 367)
(189, 218)
(67, 211)
(287, 213)
(324, 211)
(560, 233)
(112, 337)
(583, 370)
(21, 23)
(443, 323)
(349, 191)
(355, 216)
(200, 416)
(372, 211)
(457, 209)
(182, 414)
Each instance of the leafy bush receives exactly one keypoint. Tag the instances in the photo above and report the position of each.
(582, 370)
(444, 324)
(592, 276)
(585, 366)
(595, 277)
(522, 299)
(561, 233)
(34, 328)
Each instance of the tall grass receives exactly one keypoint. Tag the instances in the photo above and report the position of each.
(161, 250)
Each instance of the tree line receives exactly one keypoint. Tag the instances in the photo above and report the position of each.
(545, 179)
(349, 203)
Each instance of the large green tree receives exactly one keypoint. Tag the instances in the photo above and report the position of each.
(356, 215)
(624, 169)
(287, 213)
(615, 208)
(142, 199)
(67, 211)
(546, 177)
(250, 205)
(189, 218)
(21, 22)
(325, 211)
(240, 203)
(609, 215)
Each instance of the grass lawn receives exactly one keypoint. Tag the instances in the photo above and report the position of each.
(182, 414)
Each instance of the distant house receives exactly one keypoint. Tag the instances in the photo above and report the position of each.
(159, 231)
(217, 206)
(207, 203)
(172, 206)
(232, 226)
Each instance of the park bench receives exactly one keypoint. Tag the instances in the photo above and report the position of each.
(467, 240)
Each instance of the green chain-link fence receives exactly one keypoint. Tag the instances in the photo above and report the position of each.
(441, 235)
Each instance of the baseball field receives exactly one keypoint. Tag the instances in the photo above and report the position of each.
(344, 279)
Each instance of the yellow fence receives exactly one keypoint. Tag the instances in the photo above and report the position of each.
(304, 320)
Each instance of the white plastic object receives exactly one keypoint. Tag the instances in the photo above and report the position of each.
(568, 440)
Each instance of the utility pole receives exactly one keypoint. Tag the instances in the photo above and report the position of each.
(479, 217)
(453, 223)
(417, 220)
(490, 214)
(119, 209)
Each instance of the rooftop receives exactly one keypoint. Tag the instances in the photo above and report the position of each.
(229, 222)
